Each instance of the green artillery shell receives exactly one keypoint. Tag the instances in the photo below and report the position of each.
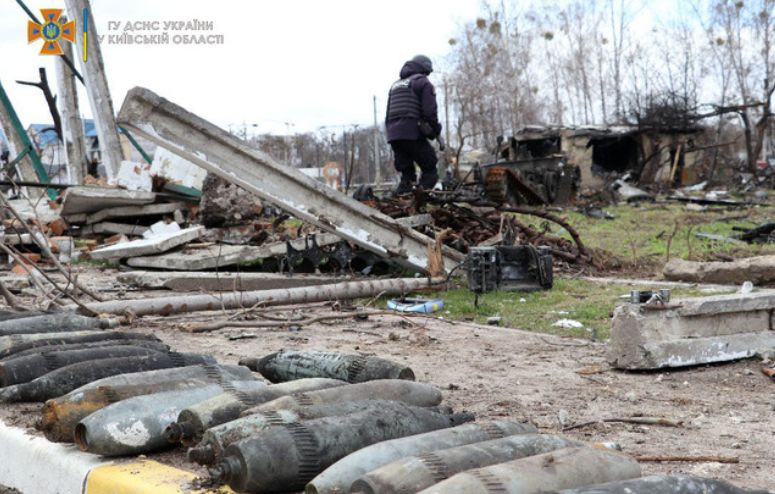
(287, 365)
(411, 393)
(66, 379)
(136, 425)
(194, 420)
(55, 322)
(152, 344)
(561, 469)
(412, 474)
(340, 476)
(59, 416)
(285, 457)
(17, 343)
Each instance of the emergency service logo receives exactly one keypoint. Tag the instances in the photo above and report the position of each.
(53, 31)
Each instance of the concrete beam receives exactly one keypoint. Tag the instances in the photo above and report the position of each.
(222, 282)
(72, 125)
(757, 270)
(219, 152)
(695, 331)
(93, 71)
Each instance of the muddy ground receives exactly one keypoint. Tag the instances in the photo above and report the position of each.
(724, 410)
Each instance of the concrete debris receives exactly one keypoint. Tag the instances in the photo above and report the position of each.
(153, 245)
(79, 200)
(692, 331)
(759, 270)
(226, 204)
(111, 228)
(161, 228)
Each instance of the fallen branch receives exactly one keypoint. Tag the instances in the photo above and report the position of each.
(277, 322)
(10, 299)
(630, 420)
(712, 458)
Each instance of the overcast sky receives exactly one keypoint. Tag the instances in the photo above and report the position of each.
(308, 63)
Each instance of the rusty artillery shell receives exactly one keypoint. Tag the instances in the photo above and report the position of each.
(673, 484)
(25, 369)
(150, 344)
(136, 425)
(287, 365)
(59, 416)
(216, 439)
(411, 474)
(58, 322)
(341, 475)
(411, 393)
(66, 379)
(10, 345)
(561, 469)
(285, 457)
(194, 420)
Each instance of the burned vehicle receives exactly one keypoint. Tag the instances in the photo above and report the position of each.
(532, 172)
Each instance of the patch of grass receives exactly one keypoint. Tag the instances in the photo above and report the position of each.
(587, 302)
(642, 233)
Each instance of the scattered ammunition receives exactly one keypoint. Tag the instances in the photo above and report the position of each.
(194, 420)
(13, 344)
(411, 474)
(6, 315)
(341, 475)
(66, 379)
(285, 457)
(152, 344)
(25, 369)
(561, 469)
(674, 484)
(411, 393)
(60, 415)
(58, 322)
(136, 425)
(287, 365)
(216, 439)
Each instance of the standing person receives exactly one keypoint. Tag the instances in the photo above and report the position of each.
(412, 118)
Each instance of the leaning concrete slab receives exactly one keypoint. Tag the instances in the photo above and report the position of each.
(219, 152)
(91, 199)
(758, 270)
(692, 331)
(145, 246)
(185, 281)
(218, 256)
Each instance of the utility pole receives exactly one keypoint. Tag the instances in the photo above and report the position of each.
(93, 70)
(377, 167)
(446, 124)
(72, 126)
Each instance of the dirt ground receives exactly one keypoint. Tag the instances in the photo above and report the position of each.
(724, 410)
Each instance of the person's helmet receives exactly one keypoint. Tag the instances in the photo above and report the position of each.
(424, 62)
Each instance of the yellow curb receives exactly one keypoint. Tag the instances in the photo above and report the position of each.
(143, 477)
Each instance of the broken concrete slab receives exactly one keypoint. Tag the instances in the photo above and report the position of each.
(78, 200)
(113, 228)
(416, 220)
(196, 281)
(146, 246)
(692, 331)
(218, 256)
(758, 270)
(161, 228)
(219, 152)
(131, 212)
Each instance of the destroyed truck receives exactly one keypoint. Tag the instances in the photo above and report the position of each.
(521, 175)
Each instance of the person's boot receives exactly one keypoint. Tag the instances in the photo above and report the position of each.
(404, 187)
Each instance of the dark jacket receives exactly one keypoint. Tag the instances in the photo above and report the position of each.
(403, 124)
